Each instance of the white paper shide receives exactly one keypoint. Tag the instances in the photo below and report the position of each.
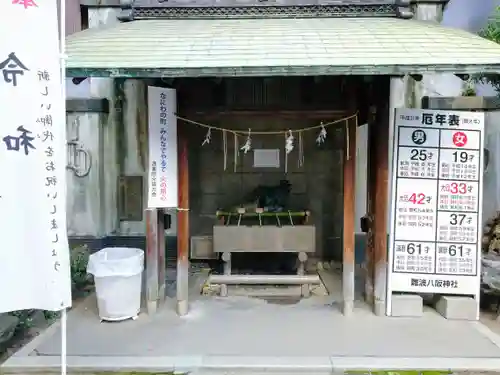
(34, 256)
(162, 180)
(436, 203)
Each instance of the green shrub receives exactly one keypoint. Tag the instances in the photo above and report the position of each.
(79, 258)
(492, 32)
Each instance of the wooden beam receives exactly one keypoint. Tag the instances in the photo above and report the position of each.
(323, 115)
(183, 227)
(348, 262)
(463, 103)
(381, 197)
(370, 110)
(92, 105)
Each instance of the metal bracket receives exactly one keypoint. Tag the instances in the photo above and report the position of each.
(79, 158)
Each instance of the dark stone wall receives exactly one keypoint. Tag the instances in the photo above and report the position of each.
(96, 244)
(317, 185)
(267, 104)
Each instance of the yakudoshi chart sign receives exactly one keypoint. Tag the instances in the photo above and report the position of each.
(436, 202)
(162, 181)
(34, 256)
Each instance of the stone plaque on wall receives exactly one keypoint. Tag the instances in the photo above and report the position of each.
(130, 198)
(266, 158)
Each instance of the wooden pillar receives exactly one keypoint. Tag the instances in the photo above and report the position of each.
(183, 227)
(381, 199)
(348, 262)
(155, 259)
(162, 277)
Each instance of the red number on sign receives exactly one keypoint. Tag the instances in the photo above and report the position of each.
(458, 188)
(417, 198)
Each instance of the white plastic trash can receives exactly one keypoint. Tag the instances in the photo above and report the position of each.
(118, 281)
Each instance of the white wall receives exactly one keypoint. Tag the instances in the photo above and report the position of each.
(92, 200)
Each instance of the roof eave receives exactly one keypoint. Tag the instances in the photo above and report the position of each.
(280, 71)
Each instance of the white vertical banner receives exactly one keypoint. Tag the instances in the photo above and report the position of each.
(34, 256)
(162, 179)
(436, 230)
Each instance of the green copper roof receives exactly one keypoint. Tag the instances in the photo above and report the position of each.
(278, 46)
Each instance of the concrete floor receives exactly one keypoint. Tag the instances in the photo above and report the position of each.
(240, 334)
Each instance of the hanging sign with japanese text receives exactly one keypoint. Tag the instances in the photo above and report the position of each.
(436, 202)
(162, 179)
(34, 256)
